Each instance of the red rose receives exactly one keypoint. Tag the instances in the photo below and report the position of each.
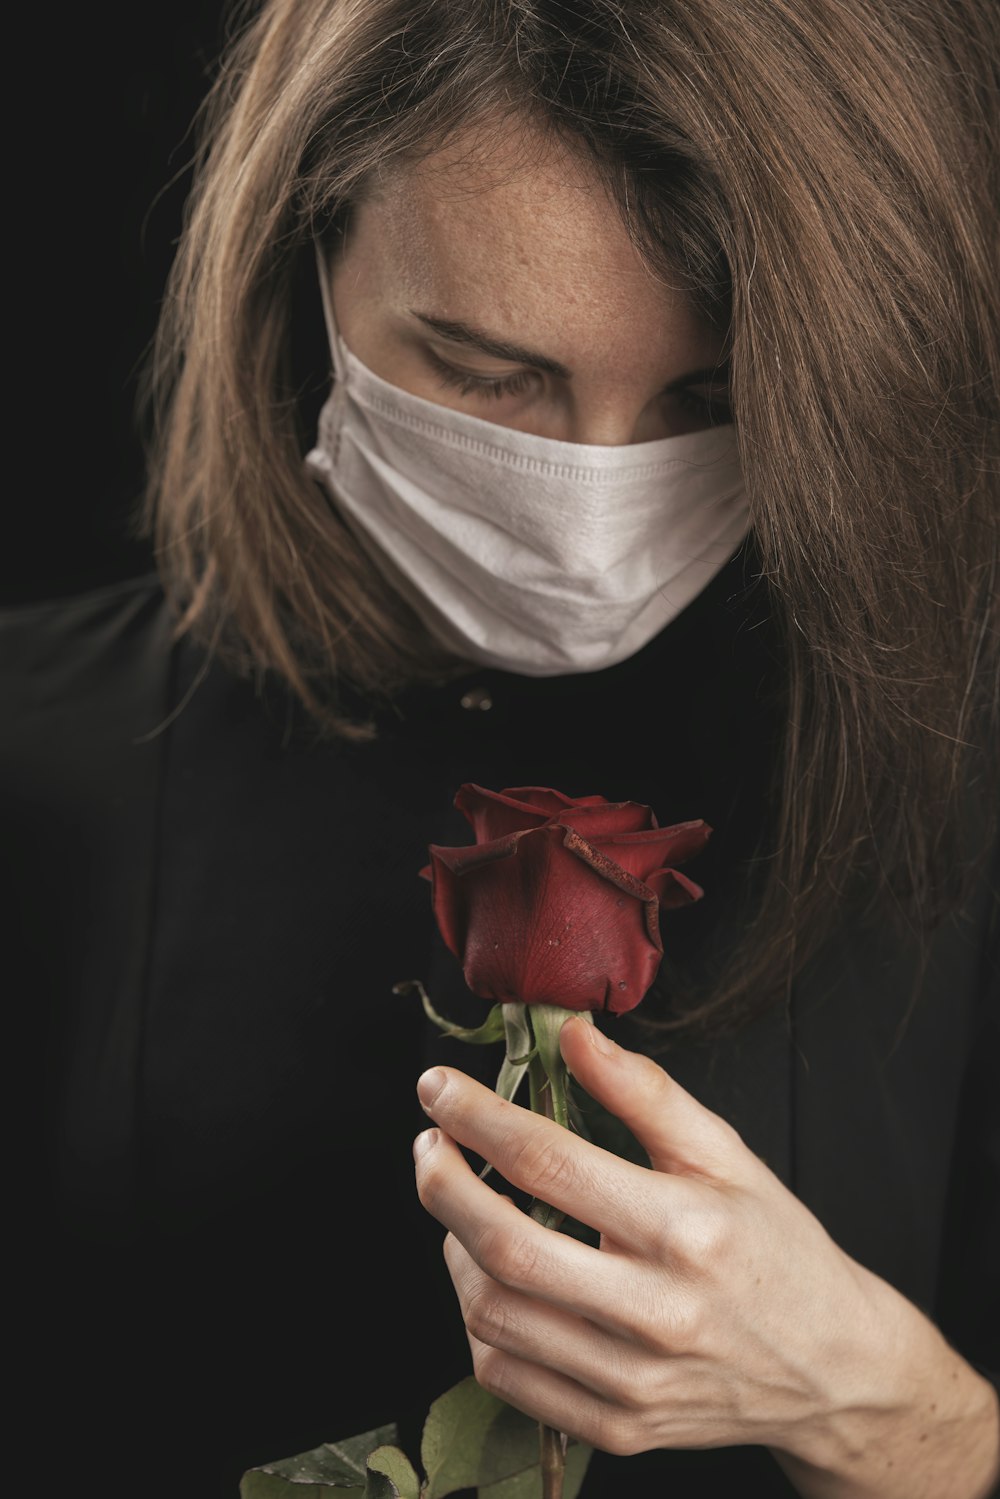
(557, 900)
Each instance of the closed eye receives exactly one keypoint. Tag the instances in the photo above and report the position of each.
(713, 408)
(482, 385)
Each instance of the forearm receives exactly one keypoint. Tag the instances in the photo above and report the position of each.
(920, 1424)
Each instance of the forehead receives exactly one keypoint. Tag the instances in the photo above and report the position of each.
(508, 171)
(518, 223)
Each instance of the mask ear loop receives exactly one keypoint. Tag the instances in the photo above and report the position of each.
(331, 419)
(326, 292)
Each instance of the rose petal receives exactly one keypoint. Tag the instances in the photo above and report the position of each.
(544, 796)
(674, 889)
(495, 814)
(610, 820)
(641, 853)
(546, 919)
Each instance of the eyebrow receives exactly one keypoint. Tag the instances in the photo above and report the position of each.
(499, 348)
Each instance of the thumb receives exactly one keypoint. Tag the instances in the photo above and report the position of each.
(677, 1132)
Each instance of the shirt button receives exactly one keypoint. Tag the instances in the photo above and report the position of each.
(477, 698)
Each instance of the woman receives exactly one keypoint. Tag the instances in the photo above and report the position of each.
(659, 462)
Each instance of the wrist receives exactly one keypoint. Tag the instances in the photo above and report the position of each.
(906, 1418)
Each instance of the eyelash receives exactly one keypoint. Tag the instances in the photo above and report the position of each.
(515, 385)
(480, 385)
(716, 408)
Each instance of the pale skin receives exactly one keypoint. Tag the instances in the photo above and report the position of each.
(523, 246)
(717, 1310)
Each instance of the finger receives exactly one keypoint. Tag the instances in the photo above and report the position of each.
(593, 1185)
(518, 1252)
(560, 1402)
(512, 1322)
(678, 1133)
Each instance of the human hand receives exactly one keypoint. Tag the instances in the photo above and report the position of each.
(717, 1309)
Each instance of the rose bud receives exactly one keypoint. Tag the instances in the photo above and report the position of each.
(557, 901)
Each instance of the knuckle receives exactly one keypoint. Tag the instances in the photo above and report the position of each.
(486, 1317)
(428, 1186)
(728, 1148)
(729, 1134)
(639, 1389)
(682, 1326)
(541, 1166)
(702, 1238)
(488, 1365)
(674, 1327)
(652, 1083)
(507, 1255)
(617, 1433)
(662, 1234)
(709, 1237)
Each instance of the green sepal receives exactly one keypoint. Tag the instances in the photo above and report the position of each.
(546, 1023)
(518, 1052)
(518, 1049)
(519, 1042)
(550, 1091)
(578, 1121)
(480, 1035)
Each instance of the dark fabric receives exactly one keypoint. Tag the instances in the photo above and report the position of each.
(211, 909)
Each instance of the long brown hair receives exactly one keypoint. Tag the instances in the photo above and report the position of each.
(823, 175)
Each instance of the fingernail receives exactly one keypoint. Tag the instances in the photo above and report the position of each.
(601, 1042)
(429, 1085)
(424, 1142)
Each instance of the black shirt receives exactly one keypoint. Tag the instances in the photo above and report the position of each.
(213, 907)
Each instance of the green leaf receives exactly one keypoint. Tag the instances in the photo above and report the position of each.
(391, 1475)
(528, 1485)
(472, 1440)
(336, 1465)
(379, 1486)
(256, 1484)
(480, 1035)
(545, 1214)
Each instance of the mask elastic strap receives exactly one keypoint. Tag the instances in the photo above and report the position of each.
(336, 345)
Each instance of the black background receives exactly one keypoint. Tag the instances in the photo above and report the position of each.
(103, 156)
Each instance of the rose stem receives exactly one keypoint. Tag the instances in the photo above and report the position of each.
(553, 1458)
(553, 1462)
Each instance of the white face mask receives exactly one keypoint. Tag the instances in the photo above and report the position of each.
(522, 552)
